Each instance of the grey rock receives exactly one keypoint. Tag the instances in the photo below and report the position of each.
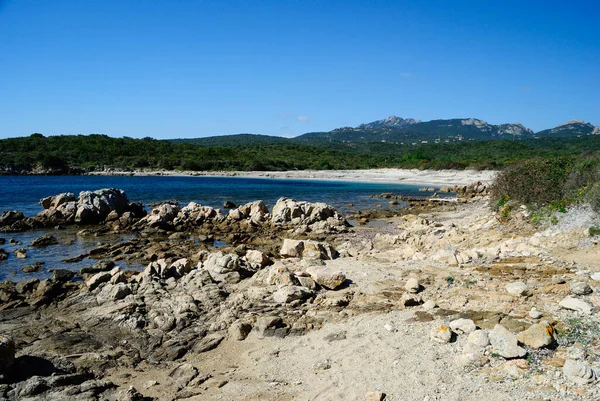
(44, 241)
(581, 288)
(517, 289)
(576, 305)
(578, 372)
(504, 343)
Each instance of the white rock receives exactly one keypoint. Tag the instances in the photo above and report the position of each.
(479, 338)
(441, 333)
(577, 305)
(535, 314)
(412, 285)
(390, 327)
(595, 276)
(429, 305)
(97, 279)
(463, 326)
(504, 343)
(581, 288)
(517, 289)
(578, 372)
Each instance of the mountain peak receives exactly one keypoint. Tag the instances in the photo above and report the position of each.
(390, 122)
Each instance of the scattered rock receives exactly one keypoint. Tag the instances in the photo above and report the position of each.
(3, 254)
(390, 327)
(326, 277)
(535, 314)
(412, 285)
(504, 343)
(32, 268)
(291, 293)
(463, 326)
(576, 305)
(44, 241)
(581, 288)
(478, 338)
(62, 275)
(578, 372)
(537, 335)
(518, 289)
(429, 305)
(21, 253)
(441, 333)
(374, 396)
(183, 374)
(239, 330)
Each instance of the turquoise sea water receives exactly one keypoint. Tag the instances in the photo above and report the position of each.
(24, 192)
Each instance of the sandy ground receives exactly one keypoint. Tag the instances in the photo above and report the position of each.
(383, 175)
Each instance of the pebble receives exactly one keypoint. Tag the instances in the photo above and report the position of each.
(429, 305)
(535, 314)
(577, 305)
(441, 333)
(504, 343)
(578, 372)
(390, 327)
(595, 276)
(517, 289)
(412, 285)
(581, 288)
(463, 326)
(479, 338)
(374, 396)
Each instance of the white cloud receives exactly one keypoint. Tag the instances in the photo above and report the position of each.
(304, 119)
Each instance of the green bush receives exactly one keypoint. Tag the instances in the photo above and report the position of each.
(537, 182)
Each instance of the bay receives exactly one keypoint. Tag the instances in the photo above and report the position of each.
(24, 193)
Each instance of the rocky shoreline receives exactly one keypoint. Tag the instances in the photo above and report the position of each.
(443, 301)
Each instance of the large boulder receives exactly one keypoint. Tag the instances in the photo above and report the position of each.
(94, 206)
(318, 216)
(307, 249)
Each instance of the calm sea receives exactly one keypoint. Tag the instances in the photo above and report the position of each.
(24, 192)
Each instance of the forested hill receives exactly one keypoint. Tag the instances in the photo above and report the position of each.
(79, 153)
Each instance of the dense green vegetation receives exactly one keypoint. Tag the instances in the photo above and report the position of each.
(94, 152)
(548, 185)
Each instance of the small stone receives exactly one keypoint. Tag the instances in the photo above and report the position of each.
(578, 372)
(471, 360)
(412, 285)
(44, 240)
(429, 305)
(515, 369)
(576, 352)
(411, 299)
(291, 293)
(479, 338)
(577, 305)
(440, 333)
(390, 327)
(580, 288)
(62, 275)
(517, 289)
(537, 335)
(374, 396)
(21, 253)
(323, 365)
(595, 276)
(535, 314)
(504, 343)
(463, 326)
(239, 330)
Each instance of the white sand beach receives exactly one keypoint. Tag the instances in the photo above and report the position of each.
(383, 175)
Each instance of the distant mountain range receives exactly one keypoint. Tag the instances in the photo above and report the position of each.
(410, 131)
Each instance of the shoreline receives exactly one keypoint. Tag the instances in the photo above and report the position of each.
(375, 176)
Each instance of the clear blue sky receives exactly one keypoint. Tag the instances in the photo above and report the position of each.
(169, 69)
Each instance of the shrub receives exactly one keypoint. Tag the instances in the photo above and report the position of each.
(536, 182)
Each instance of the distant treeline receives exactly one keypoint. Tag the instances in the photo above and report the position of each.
(96, 152)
